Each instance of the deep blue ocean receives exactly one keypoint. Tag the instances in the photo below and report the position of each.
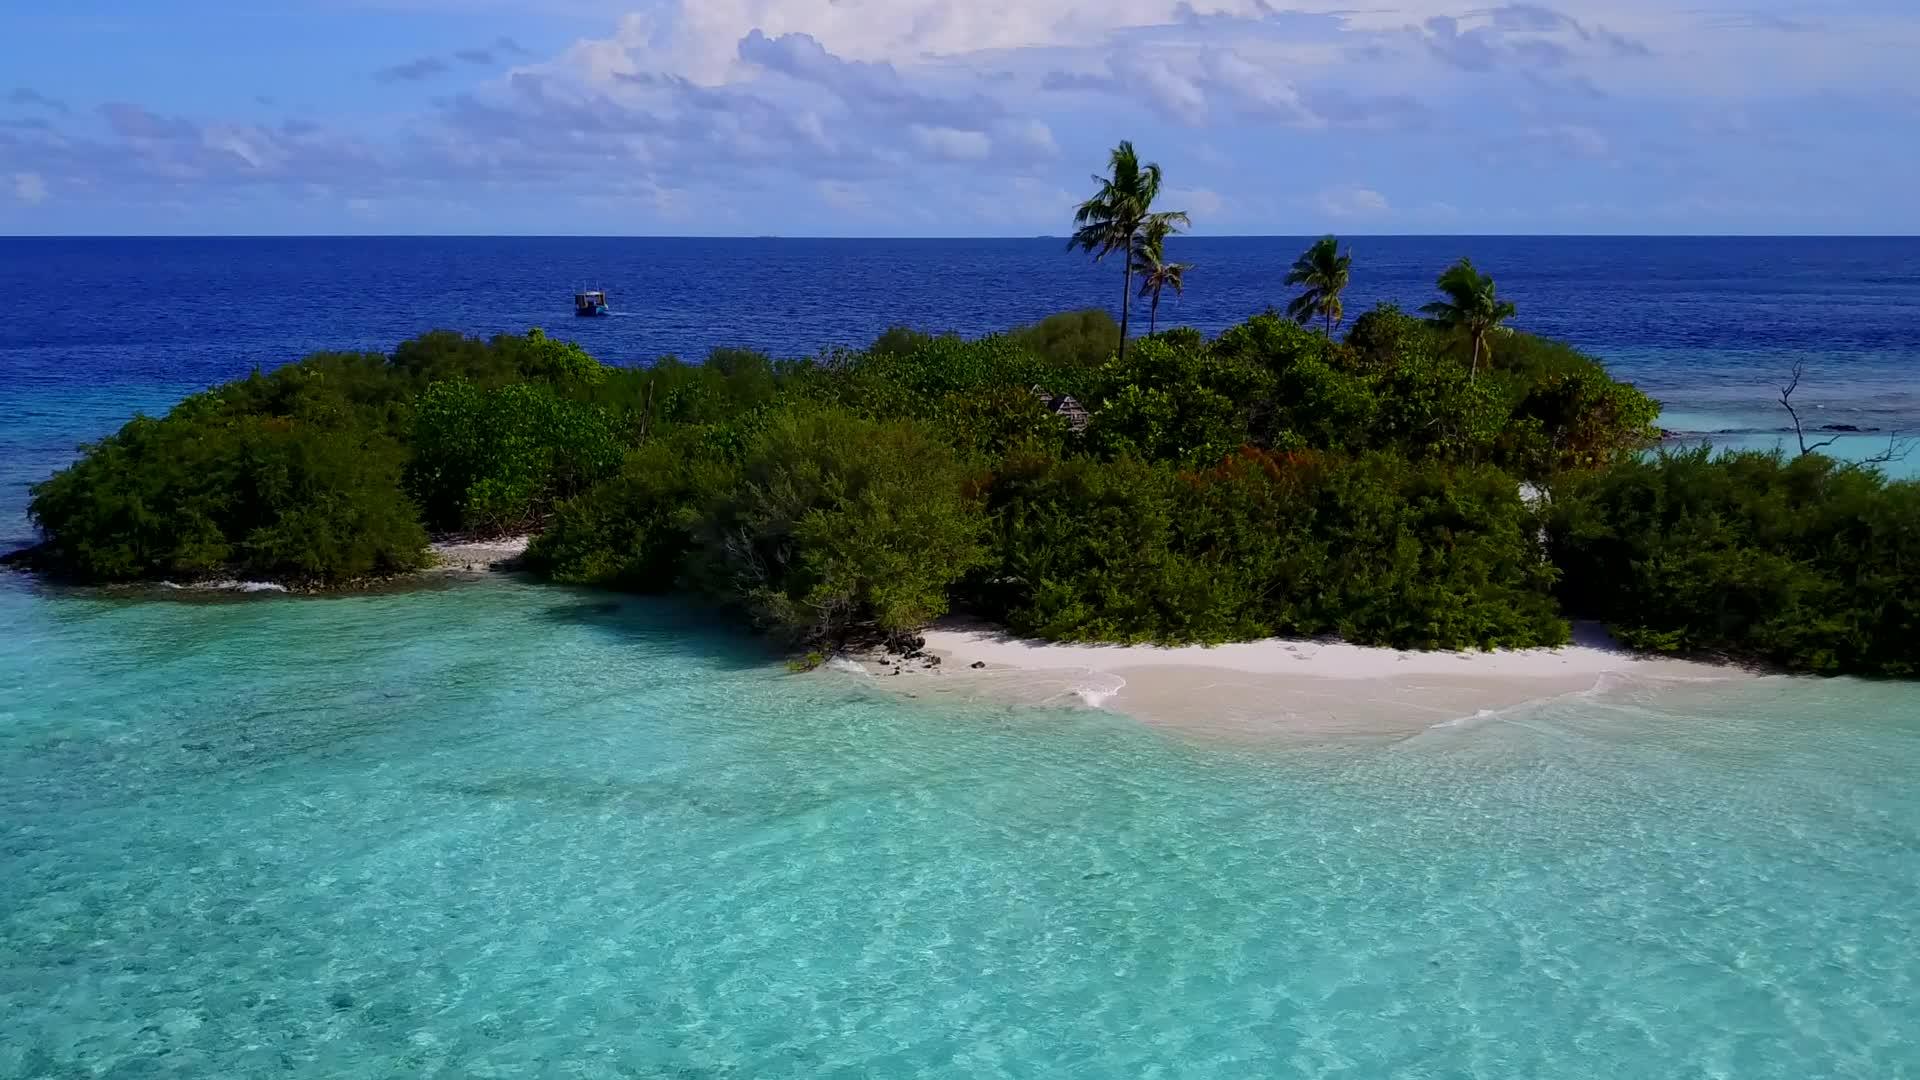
(497, 829)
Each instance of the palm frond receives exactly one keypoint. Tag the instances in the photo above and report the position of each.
(1325, 271)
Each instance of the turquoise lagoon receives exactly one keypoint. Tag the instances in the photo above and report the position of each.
(497, 829)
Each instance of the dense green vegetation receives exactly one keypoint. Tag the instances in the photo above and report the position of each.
(1270, 480)
(1802, 562)
(333, 469)
(1408, 484)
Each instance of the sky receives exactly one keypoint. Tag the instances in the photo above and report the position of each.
(956, 117)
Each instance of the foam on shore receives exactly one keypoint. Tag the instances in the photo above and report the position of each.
(227, 585)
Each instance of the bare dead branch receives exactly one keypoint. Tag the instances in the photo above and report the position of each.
(749, 570)
(1786, 402)
(1898, 447)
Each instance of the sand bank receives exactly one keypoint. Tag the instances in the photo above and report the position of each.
(1279, 687)
(461, 556)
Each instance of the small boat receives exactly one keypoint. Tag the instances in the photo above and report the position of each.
(592, 302)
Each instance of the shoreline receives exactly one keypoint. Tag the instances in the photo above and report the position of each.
(1277, 688)
(459, 555)
(451, 557)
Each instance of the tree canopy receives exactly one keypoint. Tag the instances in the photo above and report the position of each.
(1119, 214)
(1470, 306)
(1157, 272)
(1325, 271)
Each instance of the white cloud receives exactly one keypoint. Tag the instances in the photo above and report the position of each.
(1171, 89)
(243, 144)
(1197, 87)
(1353, 203)
(1034, 137)
(600, 61)
(1259, 90)
(1020, 203)
(843, 196)
(1200, 202)
(1574, 140)
(951, 144)
(30, 188)
(699, 36)
(720, 104)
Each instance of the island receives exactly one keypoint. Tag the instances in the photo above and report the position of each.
(1401, 482)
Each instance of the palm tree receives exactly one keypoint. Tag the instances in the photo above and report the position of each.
(1471, 305)
(1325, 271)
(1117, 215)
(1156, 273)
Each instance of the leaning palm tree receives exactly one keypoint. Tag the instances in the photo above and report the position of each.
(1156, 273)
(1472, 306)
(1325, 271)
(1116, 216)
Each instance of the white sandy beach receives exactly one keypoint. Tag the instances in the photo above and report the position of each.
(1279, 687)
(477, 556)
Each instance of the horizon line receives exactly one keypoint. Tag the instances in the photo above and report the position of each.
(953, 239)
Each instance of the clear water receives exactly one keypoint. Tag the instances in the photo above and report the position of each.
(502, 830)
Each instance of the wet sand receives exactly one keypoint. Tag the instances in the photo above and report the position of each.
(1278, 688)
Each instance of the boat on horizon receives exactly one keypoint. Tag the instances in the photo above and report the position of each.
(590, 303)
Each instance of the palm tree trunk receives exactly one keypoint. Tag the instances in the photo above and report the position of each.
(1473, 372)
(1153, 313)
(1329, 314)
(1126, 294)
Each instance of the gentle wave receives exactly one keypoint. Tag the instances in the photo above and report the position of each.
(227, 585)
(1096, 696)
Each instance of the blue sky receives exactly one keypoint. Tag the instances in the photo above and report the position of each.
(949, 117)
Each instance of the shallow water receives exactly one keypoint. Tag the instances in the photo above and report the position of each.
(501, 830)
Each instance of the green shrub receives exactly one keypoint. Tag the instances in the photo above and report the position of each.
(444, 354)
(633, 530)
(549, 360)
(1427, 557)
(495, 461)
(1071, 339)
(835, 523)
(1173, 403)
(1577, 419)
(202, 494)
(1430, 410)
(903, 340)
(1806, 563)
(1083, 551)
(1182, 337)
(1372, 550)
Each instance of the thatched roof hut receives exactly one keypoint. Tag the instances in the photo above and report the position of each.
(1065, 407)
